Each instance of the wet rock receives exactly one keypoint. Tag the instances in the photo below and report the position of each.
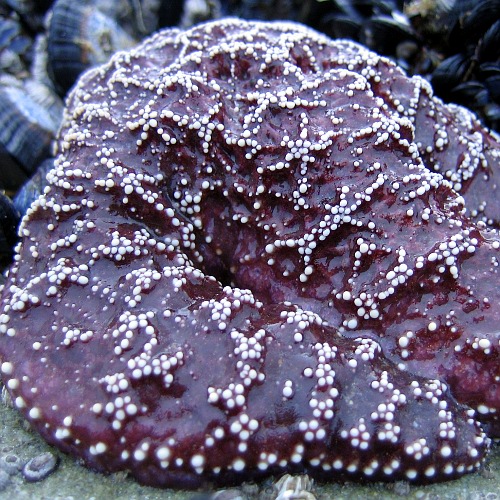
(4, 479)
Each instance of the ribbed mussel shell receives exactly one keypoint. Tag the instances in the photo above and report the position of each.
(29, 118)
(80, 36)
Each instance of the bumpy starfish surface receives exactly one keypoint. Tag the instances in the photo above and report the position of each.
(254, 256)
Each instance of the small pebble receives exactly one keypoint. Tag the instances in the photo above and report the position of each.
(229, 494)
(491, 496)
(10, 463)
(402, 488)
(40, 467)
(487, 473)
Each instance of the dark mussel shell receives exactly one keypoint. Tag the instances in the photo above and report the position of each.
(15, 46)
(341, 26)
(80, 36)
(169, 12)
(11, 173)
(31, 12)
(30, 115)
(33, 188)
(357, 9)
(266, 10)
(450, 73)
(489, 46)
(9, 220)
(384, 33)
(492, 113)
(472, 93)
(142, 17)
(492, 83)
(489, 76)
(473, 21)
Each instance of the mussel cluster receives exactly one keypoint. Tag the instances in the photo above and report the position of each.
(466, 39)
(45, 45)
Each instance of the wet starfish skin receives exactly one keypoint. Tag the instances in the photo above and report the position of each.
(349, 290)
(450, 140)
